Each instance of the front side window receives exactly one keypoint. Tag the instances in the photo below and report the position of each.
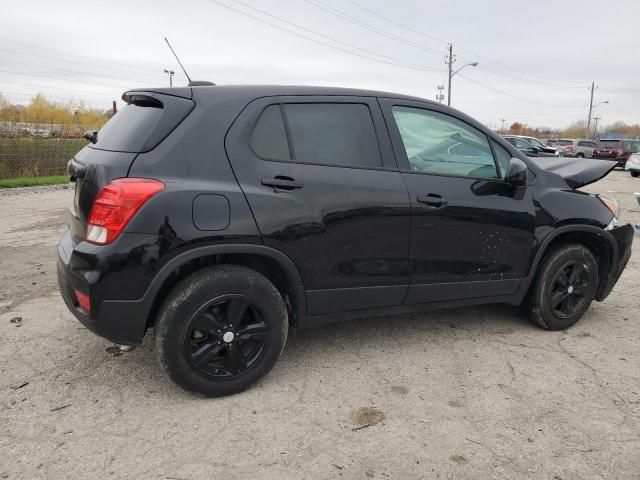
(439, 144)
(502, 156)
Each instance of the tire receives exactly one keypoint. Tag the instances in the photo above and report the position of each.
(580, 155)
(562, 264)
(634, 174)
(220, 330)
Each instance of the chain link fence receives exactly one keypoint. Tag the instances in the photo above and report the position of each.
(38, 150)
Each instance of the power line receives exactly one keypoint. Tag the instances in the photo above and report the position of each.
(522, 99)
(389, 61)
(65, 89)
(89, 74)
(74, 62)
(368, 26)
(433, 37)
(62, 79)
(70, 54)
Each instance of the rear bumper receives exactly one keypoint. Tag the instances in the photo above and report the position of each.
(120, 321)
(623, 239)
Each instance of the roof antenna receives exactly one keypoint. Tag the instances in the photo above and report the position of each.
(192, 83)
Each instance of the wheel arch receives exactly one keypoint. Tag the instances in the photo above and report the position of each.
(273, 264)
(596, 240)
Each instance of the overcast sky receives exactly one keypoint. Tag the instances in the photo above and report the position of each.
(537, 58)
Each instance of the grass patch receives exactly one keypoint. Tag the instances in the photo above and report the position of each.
(33, 181)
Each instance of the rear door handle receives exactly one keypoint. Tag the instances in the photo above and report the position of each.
(281, 183)
(433, 200)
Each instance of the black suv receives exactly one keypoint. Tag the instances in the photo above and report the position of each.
(225, 216)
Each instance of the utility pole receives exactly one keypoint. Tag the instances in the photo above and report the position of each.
(171, 73)
(593, 87)
(595, 126)
(502, 129)
(450, 60)
(440, 94)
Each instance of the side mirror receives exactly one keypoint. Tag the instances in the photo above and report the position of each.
(91, 135)
(516, 173)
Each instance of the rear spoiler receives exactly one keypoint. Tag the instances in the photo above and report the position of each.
(577, 172)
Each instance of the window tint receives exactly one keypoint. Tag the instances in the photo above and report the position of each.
(142, 124)
(584, 143)
(440, 144)
(269, 139)
(502, 156)
(332, 133)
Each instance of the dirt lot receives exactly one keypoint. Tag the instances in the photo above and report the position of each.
(467, 393)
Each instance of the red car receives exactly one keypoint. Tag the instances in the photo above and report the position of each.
(618, 150)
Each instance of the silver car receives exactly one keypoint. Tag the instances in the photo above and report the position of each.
(576, 147)
(633, 166)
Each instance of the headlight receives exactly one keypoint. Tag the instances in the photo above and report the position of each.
(612, 204)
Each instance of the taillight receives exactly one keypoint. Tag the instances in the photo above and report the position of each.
(569, 148)
(116, 203)
(83, 301)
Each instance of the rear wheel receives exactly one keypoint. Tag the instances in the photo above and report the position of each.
(220, 330)
(634, 173)
(564, 288)
(580, 155)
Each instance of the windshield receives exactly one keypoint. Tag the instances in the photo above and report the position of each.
(535, 142)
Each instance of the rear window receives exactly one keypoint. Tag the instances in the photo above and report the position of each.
(631, 146)
(325, 133)
(609, 144)
(142, 124)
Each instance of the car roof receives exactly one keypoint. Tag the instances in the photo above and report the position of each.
(257, 91)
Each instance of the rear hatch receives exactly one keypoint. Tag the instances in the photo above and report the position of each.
(147, 119)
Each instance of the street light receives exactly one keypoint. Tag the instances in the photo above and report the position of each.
(452, 74)
(171, 73)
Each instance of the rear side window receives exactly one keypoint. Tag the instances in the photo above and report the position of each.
(143, 123)
(269, 138)
(340, 134)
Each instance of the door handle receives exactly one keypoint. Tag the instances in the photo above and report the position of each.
(281, 183)
(433, 200)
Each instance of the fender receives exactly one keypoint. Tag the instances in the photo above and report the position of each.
(208, 250)
(133, 314)
(526, 283)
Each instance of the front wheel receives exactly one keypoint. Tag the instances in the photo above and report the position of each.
(634, 173)
(220, 330)
(564, 288)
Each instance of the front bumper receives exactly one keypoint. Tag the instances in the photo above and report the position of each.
(622, 239)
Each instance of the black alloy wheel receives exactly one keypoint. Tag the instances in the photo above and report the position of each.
(568, 289)
(226, 337)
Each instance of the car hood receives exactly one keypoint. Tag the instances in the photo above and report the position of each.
(577, 172)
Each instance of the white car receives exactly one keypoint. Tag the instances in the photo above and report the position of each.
(633, 165)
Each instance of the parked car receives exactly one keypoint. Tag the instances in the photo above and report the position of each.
(536, 143)
(633, 164)
(527, 148)
(233, 214)
(618, 150)
(576, 147)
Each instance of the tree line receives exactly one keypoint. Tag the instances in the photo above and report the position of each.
(40, 110)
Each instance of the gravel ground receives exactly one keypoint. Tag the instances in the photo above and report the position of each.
(465, 393)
